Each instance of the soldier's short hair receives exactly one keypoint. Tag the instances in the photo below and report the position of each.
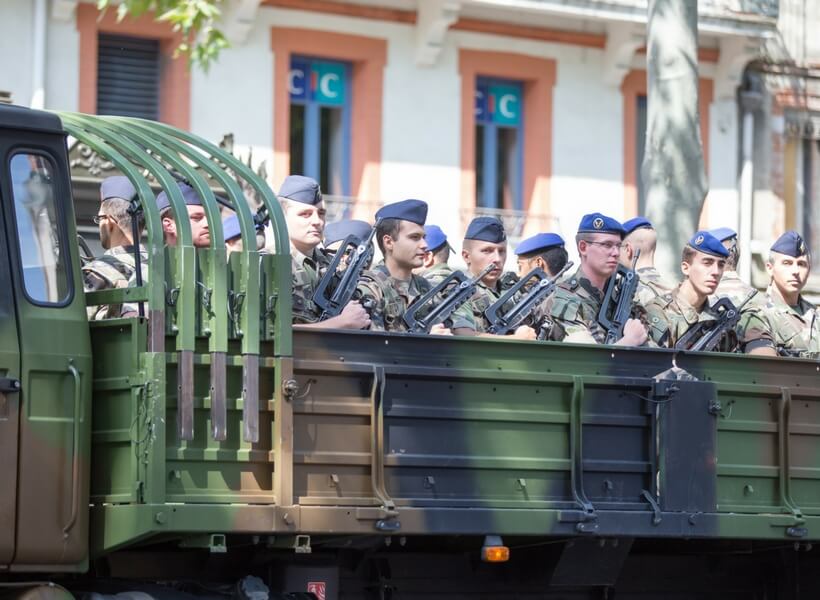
(386, 227)
(688, 254)
(734, 256)
(555, 257)
(117, 209)
(442, 254)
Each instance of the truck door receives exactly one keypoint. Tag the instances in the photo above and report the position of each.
(53, 436)
(9, 404)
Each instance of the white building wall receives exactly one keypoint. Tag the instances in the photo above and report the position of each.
(421, 110)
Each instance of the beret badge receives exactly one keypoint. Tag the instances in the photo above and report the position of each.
(598, 223)
(699, 240)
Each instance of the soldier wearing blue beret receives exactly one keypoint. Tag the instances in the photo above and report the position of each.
(116, 268)
(485, 243)
(200, 232)
(793, 320)
(731, 285)
(542, 251)
(233, 235)
(574, 307)
(673, 315)
(391, 287)
(436, 266)
(304, 209)
(639, 234)
(338, 231)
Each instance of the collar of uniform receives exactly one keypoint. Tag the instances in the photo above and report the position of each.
(689, 313)
(577, 280)
(730, 276)
(439, 267)
(124, 250)
(301, 258)
(647, 271)
(803, 306)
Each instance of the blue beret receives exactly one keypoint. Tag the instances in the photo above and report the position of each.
(301, 189)
(723, 233)
(540, 241)
(339, 230)
(636, 223)
(230, 227)
(414, 211)
(435, 237)
(791, 244)
(117, 186)
(598, 223)
(705, 242)
(189, 196)
(486, 229)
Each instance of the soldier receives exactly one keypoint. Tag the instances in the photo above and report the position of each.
(670, 316)
(577, 300)
(200, 233)
(436, 267)
(794, 321)
(301, 201)
(543, 250)
(731, 285)
(233, 235)
(391, 287)
(116, 268)
(485, 242)
(640, 235)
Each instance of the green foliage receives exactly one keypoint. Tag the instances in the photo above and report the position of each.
(202, 40)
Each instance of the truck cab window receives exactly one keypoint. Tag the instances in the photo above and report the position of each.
(43, 261)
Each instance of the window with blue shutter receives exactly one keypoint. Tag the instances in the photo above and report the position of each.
(320, 122)
(499, 139)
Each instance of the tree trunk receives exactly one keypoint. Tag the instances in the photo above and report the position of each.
(672, 171)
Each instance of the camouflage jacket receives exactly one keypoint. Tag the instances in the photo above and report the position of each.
(651, 285)
(733, 287)
(388, 298)
(481, 301)
(307, 271)
(116, 268)
(670, 317)
(796, 329)
(437, 273)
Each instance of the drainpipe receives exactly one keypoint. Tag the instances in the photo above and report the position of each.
(38, 70)
(750, 101)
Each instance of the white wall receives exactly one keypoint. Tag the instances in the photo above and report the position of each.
(16, 27)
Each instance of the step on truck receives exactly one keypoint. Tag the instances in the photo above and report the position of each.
(206, 448)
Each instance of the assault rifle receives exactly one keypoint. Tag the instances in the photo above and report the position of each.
(338, 284)
(705, 336)
(616, 308)
(540, 284)
(457, 288)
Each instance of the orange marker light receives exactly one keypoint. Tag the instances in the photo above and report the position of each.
(495, 554)
(494, 550)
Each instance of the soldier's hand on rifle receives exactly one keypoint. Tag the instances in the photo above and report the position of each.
(635, 334)
(524, 332)
(440, 329)
(353, 316)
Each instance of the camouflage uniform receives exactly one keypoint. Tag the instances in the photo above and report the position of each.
(483, 298)
(670, 317)
(733, 287)
(796, 329)
(307, 271)
(573, 310)
(651, 285)
(388, 298)
(115, 269)
(438, 273)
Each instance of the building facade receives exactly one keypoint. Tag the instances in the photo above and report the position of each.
(531, 109)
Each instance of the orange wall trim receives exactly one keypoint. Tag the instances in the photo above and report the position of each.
(634, 85)
(175, 83)
(710, 55)
(367, 57)
(538, 76)
(561, 36)
(347, 10)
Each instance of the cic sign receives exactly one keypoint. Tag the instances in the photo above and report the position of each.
(317, 81)
(498, 103)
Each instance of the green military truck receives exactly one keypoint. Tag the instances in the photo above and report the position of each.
(208, 449)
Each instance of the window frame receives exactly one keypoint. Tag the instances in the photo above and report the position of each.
(62, 228)
(490, 150)
(312, 134)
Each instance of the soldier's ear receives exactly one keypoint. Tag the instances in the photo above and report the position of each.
(769, 268)
(684, 268)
